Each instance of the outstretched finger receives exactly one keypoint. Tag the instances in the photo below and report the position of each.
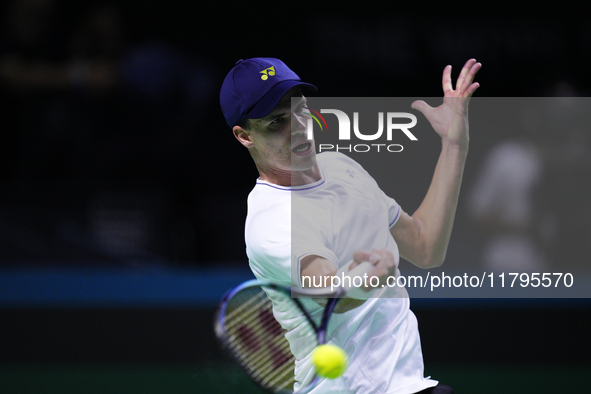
(466, 76)
(473, 70)
(446, 80)
(471, 89)
(470, 77)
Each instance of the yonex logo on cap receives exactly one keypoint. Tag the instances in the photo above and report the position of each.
(266, 72)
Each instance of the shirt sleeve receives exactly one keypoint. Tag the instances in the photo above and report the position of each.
(394, 210)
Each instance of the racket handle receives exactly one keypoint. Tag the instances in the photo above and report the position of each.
(360, 270)
(351, 286)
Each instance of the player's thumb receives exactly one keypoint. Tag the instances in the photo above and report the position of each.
(421, 106)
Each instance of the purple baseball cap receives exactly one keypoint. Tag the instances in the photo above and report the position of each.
(252, 89)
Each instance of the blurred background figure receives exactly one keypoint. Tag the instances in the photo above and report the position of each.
(566, 186)
(529, 198)
(503, 200)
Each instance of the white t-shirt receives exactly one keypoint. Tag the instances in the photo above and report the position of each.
(342, 212)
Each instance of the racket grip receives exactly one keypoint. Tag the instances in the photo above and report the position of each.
(360, 270)
(350, 284)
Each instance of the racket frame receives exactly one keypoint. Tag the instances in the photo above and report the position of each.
(294, 293)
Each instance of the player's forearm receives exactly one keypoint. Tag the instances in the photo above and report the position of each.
(436, 214)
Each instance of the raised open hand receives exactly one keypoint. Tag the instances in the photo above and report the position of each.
(450, 119)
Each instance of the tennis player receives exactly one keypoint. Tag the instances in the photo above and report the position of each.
(320, 215)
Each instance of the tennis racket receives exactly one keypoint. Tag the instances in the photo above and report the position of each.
(268, 329)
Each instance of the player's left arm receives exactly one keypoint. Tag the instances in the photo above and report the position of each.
(423, 237)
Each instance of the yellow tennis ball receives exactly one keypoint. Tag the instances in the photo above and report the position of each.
(330, 361)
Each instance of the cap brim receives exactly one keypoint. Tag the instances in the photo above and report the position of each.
(267, 104)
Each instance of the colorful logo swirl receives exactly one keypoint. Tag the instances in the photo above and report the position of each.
(315, 117)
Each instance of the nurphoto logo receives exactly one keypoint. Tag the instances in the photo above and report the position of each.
(394, 123)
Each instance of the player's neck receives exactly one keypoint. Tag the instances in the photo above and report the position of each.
(291, 178)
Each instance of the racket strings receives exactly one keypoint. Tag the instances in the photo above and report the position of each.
(258, 341)
(259, 360)
(244, 313)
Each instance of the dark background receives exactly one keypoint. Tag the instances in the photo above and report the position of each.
(115, 156)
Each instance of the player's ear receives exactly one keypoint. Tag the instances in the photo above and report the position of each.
(243, 136)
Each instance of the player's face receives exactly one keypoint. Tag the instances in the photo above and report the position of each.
(280, 139)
